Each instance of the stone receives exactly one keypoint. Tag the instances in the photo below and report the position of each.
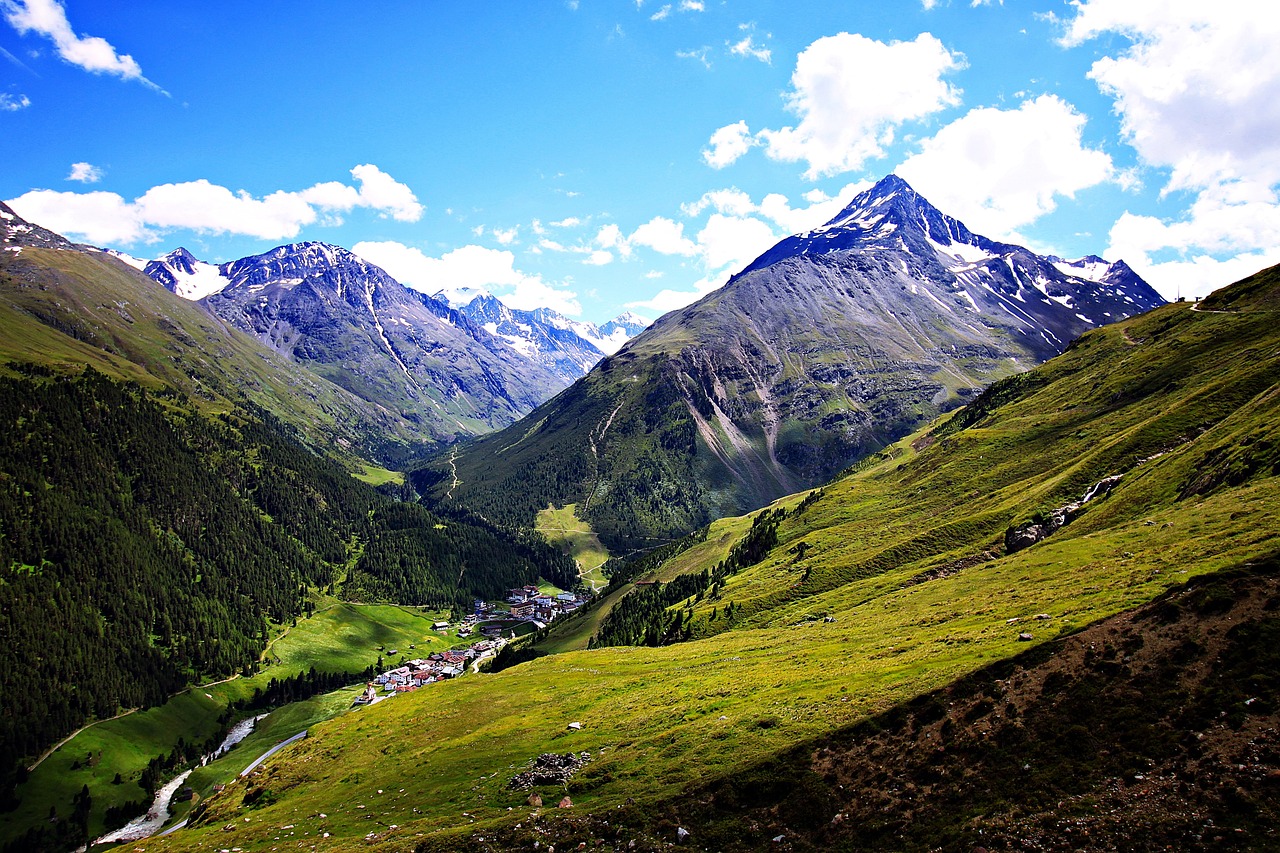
(1024, 637)
(566, 803)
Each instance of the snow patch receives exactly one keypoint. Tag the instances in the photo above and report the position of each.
(205, 279)
(963, 253)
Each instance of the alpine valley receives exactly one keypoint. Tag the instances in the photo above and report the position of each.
(905, 539)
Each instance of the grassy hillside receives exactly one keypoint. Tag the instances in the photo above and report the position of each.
(64, 309)
(903, 585)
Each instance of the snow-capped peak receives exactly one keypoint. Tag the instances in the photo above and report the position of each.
(186, 275)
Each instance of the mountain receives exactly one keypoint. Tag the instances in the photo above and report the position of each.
(348, 321)
(542, 336)
(452, 370)
(64, 306)
(871, 666)
(609, 337)
(831, 345)
(184, 274)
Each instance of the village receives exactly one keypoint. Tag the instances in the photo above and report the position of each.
(527, 605)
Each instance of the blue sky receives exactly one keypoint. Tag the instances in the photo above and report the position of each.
(596, 156)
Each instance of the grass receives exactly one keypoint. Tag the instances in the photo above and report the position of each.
(564, 530)
(375, 476)
(905, 558)
(341, 637)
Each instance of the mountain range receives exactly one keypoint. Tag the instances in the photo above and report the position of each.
(831, 345)
(870, 666)
(453, 371)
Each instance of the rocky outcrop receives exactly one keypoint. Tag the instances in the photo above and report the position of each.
(1026, 535)
(550, 768)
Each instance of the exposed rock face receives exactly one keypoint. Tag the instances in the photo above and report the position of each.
(16, 232)
(350, 322)
(542, 336)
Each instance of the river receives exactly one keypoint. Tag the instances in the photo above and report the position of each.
(149, 824)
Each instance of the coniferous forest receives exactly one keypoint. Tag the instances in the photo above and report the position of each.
(144, 545)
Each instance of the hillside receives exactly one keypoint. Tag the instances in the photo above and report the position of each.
(815, 660)
(832, 345)
(63, 308)
(165, 507)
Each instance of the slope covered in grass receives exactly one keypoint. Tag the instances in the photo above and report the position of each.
(63, 309)
(903, 585)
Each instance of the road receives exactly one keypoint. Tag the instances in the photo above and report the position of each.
(272, 751)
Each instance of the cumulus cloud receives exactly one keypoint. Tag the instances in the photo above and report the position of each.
(665, 237)
(469, 268)
(107, 218)
(845, 119)
(1197, 88)
(728, 144)
(49, 19)
(1197, 91)
(776, 207)
(662, 14)
(13, 103)
(997, 170)
(85, 173)
(1231, 230)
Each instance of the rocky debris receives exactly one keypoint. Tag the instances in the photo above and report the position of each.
(681, 834)
(1026, 535)
(550, 768)
(575, 727)
(1025, 637)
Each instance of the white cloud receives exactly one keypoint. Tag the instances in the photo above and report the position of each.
(997, 170)
(851, 93)
(1231, 230)
(776, 207)
(749, 49)
(568, 222)
(506, 236)
(1197, 90)
(468, 268)
(665, 237)
(702, 54)
(692, 6)
(100, 217)
(728, 144)
(662, 14)
(383, 193)
(49, 19)
(13, 103)
(598, 258)
(103, 217)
